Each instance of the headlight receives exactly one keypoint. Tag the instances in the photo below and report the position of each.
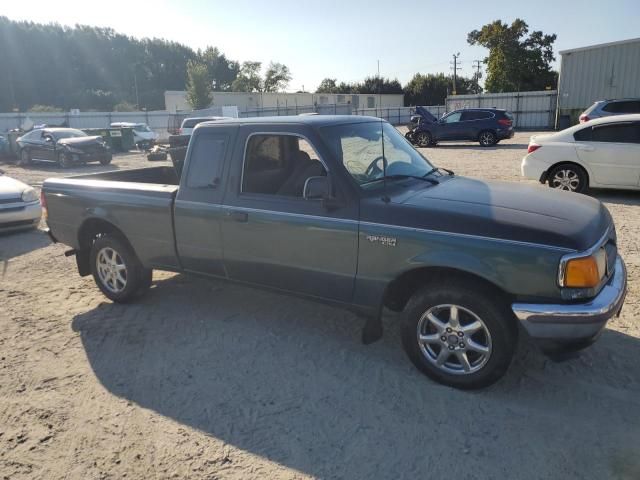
(585, 272)
(29, 195)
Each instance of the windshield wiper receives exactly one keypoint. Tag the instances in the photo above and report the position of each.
(432, 181)
(436, 169)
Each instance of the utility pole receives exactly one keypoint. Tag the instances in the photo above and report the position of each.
(135, 83)
(455, 67)
(476, 65)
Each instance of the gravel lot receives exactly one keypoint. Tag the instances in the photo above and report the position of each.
(201, 379)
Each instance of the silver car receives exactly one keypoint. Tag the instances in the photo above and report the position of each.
(606, 108)
(19, 205)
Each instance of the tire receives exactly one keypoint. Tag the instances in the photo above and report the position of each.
(423, 139)
(483, 319)
(25, 158)
(64, 160)
(106, 160)
(487, 138)
(568, 177)
(120, 276)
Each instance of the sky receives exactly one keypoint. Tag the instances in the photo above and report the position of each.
(342, 39)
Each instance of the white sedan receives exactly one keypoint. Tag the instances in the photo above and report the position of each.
(19, 205)
(601, 153)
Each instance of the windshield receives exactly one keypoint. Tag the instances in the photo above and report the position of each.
(359, 146)
(71, 133)
(141, 128)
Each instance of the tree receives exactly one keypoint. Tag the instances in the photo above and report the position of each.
(378, 84)
(432, 89)
(276, 78)
(248, 79)
(222, 71)
(328, 85)
(198, 85)
(516, 62)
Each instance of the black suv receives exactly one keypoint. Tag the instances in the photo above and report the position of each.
(484, 125)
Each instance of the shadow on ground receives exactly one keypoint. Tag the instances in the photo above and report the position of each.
(19, 243)
(620, 197)
(470, 146)
(288, 380)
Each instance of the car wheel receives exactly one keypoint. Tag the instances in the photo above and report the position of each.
(25, 158)
(462, 336)
(116, 269)
(64, 160)
(106, 160)
(571, 178)
(487, 138)
(423, 139)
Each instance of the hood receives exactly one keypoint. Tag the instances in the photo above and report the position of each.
(11, 188)
(506, 210)
(79, 142)
(426, 115)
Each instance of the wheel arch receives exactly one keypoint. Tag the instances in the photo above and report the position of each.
(401, 289)
(90, 229)
(488, 129)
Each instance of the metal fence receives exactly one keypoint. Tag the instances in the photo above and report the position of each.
(532, 110)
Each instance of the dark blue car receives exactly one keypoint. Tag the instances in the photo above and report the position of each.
(484, 125)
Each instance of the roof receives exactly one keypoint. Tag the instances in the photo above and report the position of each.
(313, 120)
(630, 117)
(600, 45)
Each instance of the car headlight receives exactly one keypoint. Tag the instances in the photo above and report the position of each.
(29, 195)
(585, 272)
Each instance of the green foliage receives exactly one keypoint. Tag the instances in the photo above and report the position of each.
(276, 78)
(432, 89)
(328, 85)
(516, 62)
(248, 79)
(369, 85)
(222, 71)
(198, 85)
(124, 107)
(44, 108)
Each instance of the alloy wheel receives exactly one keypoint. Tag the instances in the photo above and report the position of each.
(566, 179)
(423, 139)
(111, 269)
(487, 138)
(454, 339)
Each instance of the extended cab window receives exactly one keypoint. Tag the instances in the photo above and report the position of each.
(276, 164)
(206, 160)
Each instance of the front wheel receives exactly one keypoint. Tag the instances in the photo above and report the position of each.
(116, 269)
(106, 160)
(462, 336)
(423, 139)
(571, 178)
(487, 138)
(64, 160)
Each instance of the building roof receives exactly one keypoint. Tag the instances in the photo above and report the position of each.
(600, 45)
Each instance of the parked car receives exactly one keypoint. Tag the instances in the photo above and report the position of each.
(318, 206)
(19, 205)
(188, 124)
(606, 108)
(64, 146)
(484, 125)
(602, 153)
(143, 136)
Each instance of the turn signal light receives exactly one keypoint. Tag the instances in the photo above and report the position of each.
(582, 273)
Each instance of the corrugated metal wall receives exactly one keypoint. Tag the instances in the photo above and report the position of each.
(598, 73)
(532, 110)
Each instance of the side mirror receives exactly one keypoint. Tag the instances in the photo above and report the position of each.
(316, 188)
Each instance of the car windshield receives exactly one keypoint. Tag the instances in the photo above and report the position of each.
(71, 133)
(141, 128)
(363, 149)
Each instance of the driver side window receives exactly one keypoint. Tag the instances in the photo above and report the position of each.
(453, 117)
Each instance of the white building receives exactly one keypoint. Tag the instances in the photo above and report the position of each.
(176, 100)
(597, 72)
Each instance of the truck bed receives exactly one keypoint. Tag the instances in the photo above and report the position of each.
(137, 202)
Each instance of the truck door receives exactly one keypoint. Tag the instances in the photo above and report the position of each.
(271, 234)
(198, 210)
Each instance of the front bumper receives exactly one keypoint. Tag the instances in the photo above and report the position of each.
(19, 215)
(575, 322)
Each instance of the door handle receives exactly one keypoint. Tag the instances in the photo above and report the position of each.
(238, 216)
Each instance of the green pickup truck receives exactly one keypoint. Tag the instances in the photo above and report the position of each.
(344, 210)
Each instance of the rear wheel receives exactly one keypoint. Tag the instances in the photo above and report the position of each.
(487, 138)
(106, 160)
(116, 269)
(571, 178)
(461, 336)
